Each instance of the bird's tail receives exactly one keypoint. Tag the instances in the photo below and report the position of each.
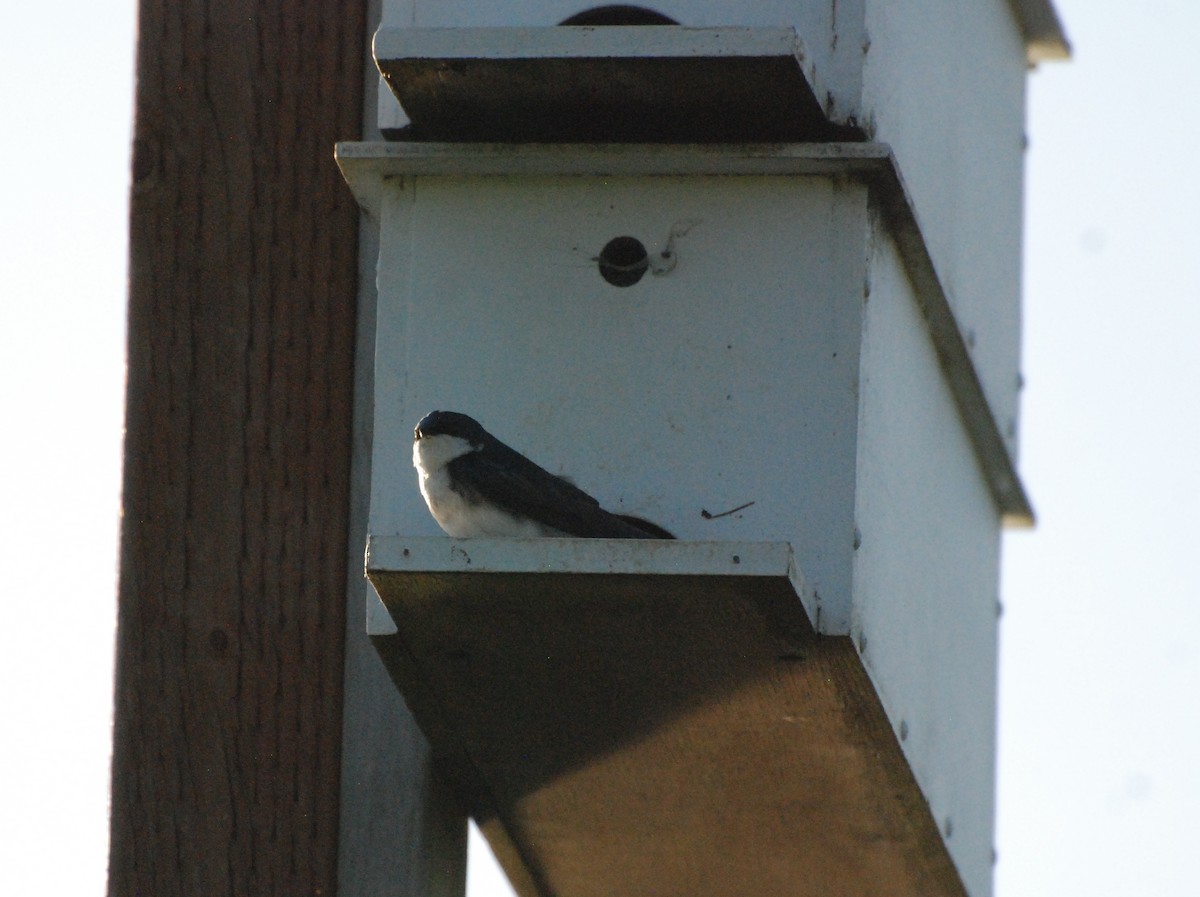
(652, 530)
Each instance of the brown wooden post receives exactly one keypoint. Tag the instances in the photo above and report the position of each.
(243, 276)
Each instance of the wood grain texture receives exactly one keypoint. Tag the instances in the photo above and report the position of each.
(241, 339)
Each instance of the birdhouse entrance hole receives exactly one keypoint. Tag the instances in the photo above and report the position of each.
(618, 15)
(623, 261)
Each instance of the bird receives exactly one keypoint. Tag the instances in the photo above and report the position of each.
(475, 485)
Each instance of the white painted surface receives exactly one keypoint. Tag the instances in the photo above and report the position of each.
(944, 85)
(578, 42)
(731, 379)
(565, 555)
(397, 12)
(390, 114)
(942, 82)
(368, 166)
(926, 571)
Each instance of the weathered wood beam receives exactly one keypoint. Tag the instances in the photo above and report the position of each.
(243, 276)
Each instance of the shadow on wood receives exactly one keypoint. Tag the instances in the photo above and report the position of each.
(626, 733)
(648, 83)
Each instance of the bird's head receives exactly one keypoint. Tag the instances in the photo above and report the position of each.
(450, 423)
(442, 436)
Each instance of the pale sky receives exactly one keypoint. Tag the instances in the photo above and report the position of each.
(1100, 674)
(1100, 682)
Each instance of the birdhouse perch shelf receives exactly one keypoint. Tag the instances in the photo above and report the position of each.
(649, 717)
(623, 83)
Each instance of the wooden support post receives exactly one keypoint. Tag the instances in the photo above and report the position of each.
(243, 276)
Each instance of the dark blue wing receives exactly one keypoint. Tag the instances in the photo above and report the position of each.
(509, 480)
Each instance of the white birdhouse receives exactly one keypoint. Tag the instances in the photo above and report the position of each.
(755, 279)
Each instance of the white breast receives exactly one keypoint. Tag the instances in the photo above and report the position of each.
(456, 516)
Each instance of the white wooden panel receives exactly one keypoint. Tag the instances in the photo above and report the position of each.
(394, 14)
(731, 379)
(367, 167)
(401, 831)
(944, 85)
(926, 571)
(462, 43)
(402, 554)
(392, 474)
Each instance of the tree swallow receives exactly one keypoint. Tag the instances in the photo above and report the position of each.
(475, 485)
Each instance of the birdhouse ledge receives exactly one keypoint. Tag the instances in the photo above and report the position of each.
(616, 83)
(651, 717)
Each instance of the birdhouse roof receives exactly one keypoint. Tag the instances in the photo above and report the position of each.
(1045, 39)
